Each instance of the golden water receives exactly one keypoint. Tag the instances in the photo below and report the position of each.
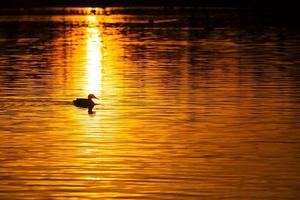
(185, 112)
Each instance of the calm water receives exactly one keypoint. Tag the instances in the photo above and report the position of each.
(193, 105)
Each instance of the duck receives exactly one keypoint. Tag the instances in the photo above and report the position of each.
(85, 103)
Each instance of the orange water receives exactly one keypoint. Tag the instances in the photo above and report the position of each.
(185, 112)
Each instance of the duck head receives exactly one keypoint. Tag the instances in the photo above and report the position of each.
(92, 96)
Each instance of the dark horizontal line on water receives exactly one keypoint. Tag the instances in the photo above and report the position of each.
(33, 194)
(274, 142)
(164, 178)
(145, 157)
(112, 194)
(33, 101)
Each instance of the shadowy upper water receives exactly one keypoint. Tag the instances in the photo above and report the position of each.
(194, 105)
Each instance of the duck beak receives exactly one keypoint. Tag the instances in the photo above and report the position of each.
(95, 97)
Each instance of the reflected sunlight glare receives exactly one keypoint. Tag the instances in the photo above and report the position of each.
(94, 56)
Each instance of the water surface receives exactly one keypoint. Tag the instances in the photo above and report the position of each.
(193, 105)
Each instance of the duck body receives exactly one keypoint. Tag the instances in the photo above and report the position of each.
(85, 103)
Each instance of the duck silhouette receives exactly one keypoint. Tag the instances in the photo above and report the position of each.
(85, 103)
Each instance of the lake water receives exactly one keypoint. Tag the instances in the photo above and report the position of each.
(194, 104)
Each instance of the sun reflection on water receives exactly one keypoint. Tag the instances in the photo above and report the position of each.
(94, 56)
